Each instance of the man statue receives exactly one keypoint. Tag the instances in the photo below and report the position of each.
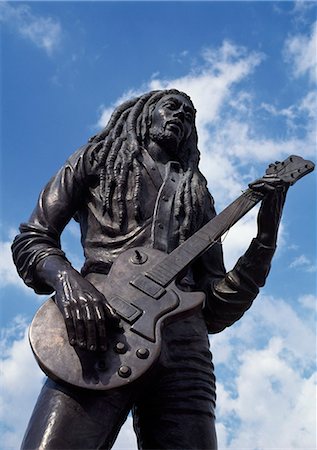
(137, 183)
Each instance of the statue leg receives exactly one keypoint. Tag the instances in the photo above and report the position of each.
(176, 413)
(167, 429)
(67, 418)
(176, 408)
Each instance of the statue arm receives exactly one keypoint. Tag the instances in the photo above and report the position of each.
(39, 238)
(43, 265)
(230, 294)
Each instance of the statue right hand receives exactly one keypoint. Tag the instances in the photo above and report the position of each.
(85, 310)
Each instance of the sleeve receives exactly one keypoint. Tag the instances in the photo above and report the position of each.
(57, 204)
(230, 295)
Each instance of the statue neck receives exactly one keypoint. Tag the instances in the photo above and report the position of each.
(162, 155)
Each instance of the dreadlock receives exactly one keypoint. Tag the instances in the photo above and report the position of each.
(117, 148)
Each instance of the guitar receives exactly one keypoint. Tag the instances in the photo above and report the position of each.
(141, 287)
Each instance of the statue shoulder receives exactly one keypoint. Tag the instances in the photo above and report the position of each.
(84, 162)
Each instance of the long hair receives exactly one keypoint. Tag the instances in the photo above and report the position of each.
(117, 148)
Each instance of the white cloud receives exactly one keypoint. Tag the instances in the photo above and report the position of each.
(20, 380)
(301, 52)
(237, 240)
(105, 114)
(210, 84)
(126, 439)
(309, 302)
(8, 272)
(44, 32)
(301, 8)
(266, 384)
(304, 263)
(273, 403)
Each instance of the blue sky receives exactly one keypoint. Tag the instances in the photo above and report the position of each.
(250, 68)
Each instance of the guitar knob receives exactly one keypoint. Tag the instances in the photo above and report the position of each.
(120, 348)
(124, 371)
(142, 353)
(138, 257)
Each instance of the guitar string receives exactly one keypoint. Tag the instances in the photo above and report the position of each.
(246, 195)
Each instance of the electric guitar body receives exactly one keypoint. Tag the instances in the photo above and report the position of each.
(132, 347)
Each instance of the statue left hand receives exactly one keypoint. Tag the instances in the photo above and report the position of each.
(270, 212)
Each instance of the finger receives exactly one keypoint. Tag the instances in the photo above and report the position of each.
(74, 321)
(256, 184)
(67, 291)
(69, 324)
(101, 326)
(79, 327)
(262, 186)
(91, 335)
(265, 188)
(111, 314)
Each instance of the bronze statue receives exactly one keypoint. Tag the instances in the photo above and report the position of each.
(138, 195)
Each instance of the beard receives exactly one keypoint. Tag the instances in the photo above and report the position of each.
(166, 139)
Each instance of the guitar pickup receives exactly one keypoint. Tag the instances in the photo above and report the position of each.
(125, 310)
(148, 286)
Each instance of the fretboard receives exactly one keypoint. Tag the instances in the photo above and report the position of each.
(179, 259)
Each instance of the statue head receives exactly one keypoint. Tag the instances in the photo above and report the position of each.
(165, 118)
(172, 122)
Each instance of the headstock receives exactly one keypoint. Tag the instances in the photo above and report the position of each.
(286, 172)
(290, 170)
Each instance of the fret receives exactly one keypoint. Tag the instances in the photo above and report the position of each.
(203, 234)
(159, 274)
(188, 252)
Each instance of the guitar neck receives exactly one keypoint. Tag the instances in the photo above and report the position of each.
(179, 259)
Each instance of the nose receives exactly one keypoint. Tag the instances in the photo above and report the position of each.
(179, 113)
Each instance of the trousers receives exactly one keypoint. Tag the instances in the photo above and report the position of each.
(172, 406)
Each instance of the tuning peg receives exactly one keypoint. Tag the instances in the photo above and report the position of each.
(277, 162)
(271, 165)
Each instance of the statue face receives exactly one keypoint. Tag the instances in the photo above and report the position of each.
(172, 121)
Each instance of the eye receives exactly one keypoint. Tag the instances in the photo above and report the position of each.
(170, 105)
(189, 115)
